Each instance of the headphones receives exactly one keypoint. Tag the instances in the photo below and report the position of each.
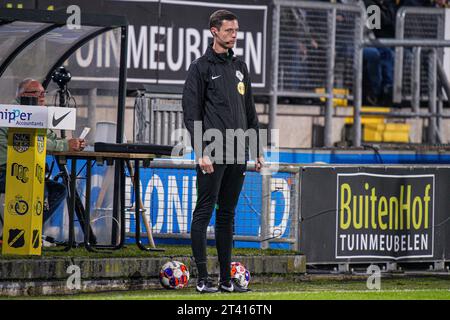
(215, 34)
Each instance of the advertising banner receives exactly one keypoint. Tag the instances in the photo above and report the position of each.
(389, 216)
(20, 116)
(372, 213)
(61, 118)
(164, 38)
(23, 116)
(169, 197)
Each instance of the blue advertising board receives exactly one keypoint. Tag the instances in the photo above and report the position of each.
(169, 195)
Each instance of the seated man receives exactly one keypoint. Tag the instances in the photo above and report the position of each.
(55, 192)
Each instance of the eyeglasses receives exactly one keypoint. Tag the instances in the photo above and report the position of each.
(39, 93)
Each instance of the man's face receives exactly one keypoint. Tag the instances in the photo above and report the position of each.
(227, 33)
(35, 89)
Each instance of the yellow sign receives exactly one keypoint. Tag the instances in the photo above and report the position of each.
(337, 102)
(24, 196)
(241, 88)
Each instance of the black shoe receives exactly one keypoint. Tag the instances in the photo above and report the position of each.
(387, 98)
(232, 286)
(206, 286)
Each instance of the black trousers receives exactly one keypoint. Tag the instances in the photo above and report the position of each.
(219, 189)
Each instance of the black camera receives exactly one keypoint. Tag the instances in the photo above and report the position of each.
(61, 77)
(29, 101)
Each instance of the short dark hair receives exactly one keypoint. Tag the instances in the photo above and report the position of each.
(216, 19)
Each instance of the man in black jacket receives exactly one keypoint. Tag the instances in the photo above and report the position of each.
(217, 98)
(379, 62)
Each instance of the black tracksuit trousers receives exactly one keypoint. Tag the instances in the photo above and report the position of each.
(222, 187)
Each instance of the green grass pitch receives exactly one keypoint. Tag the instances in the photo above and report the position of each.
(403, 288)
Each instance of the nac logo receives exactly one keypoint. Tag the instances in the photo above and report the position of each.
(40, 144)
(20, 172)
(39, 173)
(38, 208)
(18, 206)
(21, 142)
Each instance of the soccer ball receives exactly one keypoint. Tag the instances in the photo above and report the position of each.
(240, 273)
(174, 275)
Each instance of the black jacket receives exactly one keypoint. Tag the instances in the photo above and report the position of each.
(416, 3)
(388, 11)
(218, 93)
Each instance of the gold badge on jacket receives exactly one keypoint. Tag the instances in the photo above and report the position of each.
(241, 88)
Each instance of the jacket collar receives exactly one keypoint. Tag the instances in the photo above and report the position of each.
(216, 57)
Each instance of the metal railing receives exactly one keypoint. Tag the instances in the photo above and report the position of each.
(156, 117)
(314, 49)
(435, 113)
(418, 55)
(313, 53)
(267, 210)
(415, 23)
(318, 45)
